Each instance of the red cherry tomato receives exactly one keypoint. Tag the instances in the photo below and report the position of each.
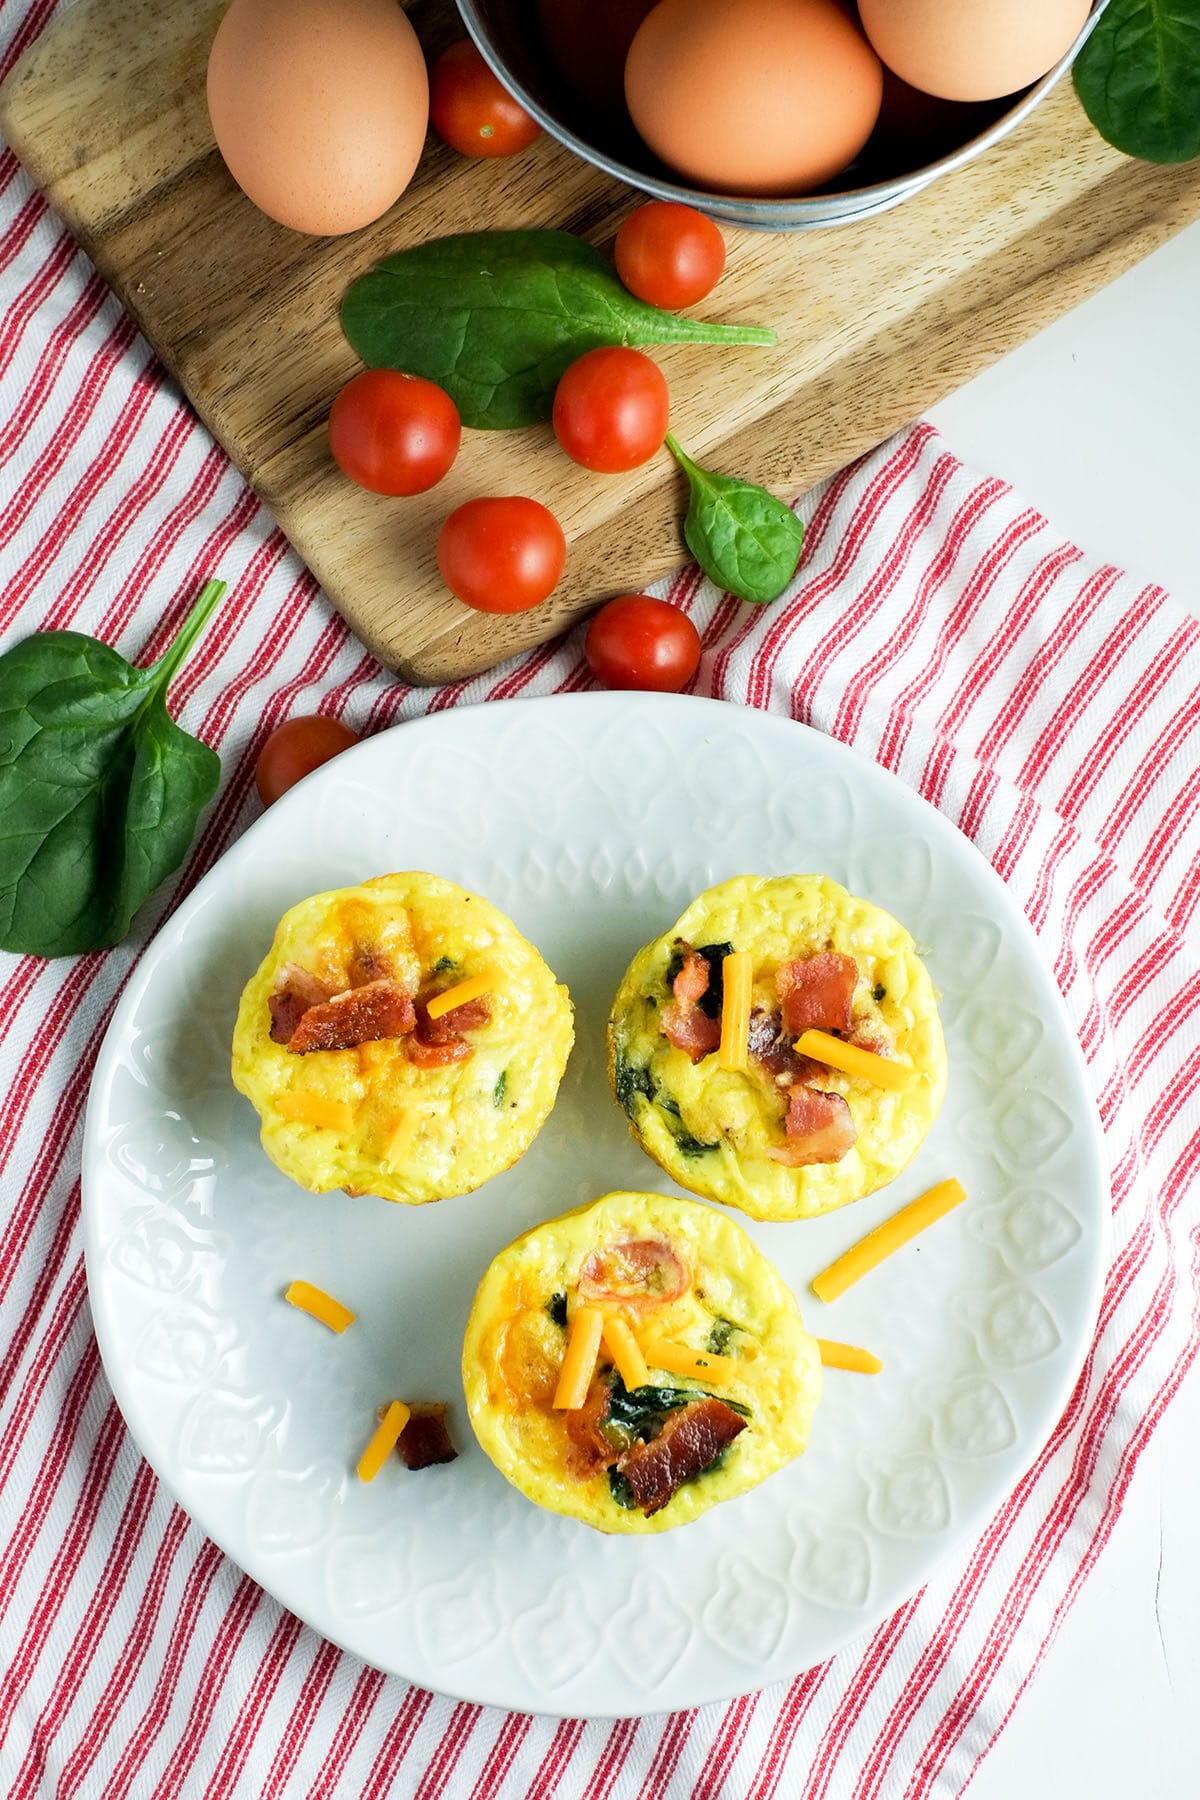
(294, 749)
(501, 555)
(472, 111)
(638, 642)
(394, 433)
(669, 255)
(611, 409)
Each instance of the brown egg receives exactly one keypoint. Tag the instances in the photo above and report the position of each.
(319, 108)
(753, 97)
(973, 49)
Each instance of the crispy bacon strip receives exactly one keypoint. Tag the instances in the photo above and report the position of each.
(816, 992)
(684, 1023)
(691, 1030)
(819, 1128)
(425, 1439)
(640, 1272)
(436, 1043)
(772, 1048)
(588, 1450)
(689, 1441)
(295, 991)
(691, 984)
(361, 1015)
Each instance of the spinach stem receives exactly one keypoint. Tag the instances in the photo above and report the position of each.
(189, 631)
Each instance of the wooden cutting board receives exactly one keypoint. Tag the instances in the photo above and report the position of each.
(876, 321)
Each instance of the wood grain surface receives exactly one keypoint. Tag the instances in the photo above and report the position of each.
(876, 321)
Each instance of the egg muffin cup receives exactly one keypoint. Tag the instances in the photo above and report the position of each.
(362, 1079)
(732, 1378)
(787, 1137)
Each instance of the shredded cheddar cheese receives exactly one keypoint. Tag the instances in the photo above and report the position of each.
(315, 1109)
(307, 1298)
(737, 974)
(459, 994)
(400, 1137)
(386, 1437)
(862, 1257)
(851, 1060)
(623, 1347)
(583, 1347)
(848, 1356)
(677, 1359)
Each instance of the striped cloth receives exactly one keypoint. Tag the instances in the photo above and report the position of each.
(1042, 700)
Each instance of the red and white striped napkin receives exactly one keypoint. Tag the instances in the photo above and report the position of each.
(1045, 702)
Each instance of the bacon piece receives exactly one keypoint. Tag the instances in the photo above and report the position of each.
(295, 991)
(640, 1272)
(468, 1017)
(689, 1441)
(819, 1127)
(425, 1439)
(816, 992)
(437, 1056)
(588, 1450)
(361, 1015)
(691, 983)
(691, 1030)
(436, 1043)
(772, 1048)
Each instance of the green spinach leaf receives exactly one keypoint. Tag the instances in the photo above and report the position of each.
(1138, 77)
(500, 1089)
(744, 539)
(100, 790)
(495, 317)
(631, 1079)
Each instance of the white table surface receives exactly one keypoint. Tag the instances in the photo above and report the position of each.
(1097, 423)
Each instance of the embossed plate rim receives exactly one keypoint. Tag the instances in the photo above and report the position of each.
(694, 722)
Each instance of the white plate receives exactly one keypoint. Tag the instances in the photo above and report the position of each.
(592, 819)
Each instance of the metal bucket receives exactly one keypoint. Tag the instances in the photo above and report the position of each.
(507, 33)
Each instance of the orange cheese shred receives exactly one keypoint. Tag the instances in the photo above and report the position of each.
(386, 1437)
(879, 1244)
(579, 1361)
(851, 1060)
(307, 1298)
(400, 1137)
(677, 1359)
(737, 975)
(459, 994)
(623, 1347)
(848, 1356)
(315, 1109)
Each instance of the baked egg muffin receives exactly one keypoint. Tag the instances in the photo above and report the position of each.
(703, 1056)
(402, 1039)
(636, 1361)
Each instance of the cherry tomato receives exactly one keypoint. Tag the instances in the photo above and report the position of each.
(394, 433)
(669, 255)
(472, 111)
(503, 554)
(638, 642)
(294, 749)
(611, 409)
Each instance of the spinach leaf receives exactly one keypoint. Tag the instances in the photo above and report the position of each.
(642, 1412)
(495, 317)
(719, 1336)
(1138, 77)
(556, 1306)
(443, 965)
(744, 539)
(100, 790)
(500, 1089)
(620, 1489)
(630, 1080)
